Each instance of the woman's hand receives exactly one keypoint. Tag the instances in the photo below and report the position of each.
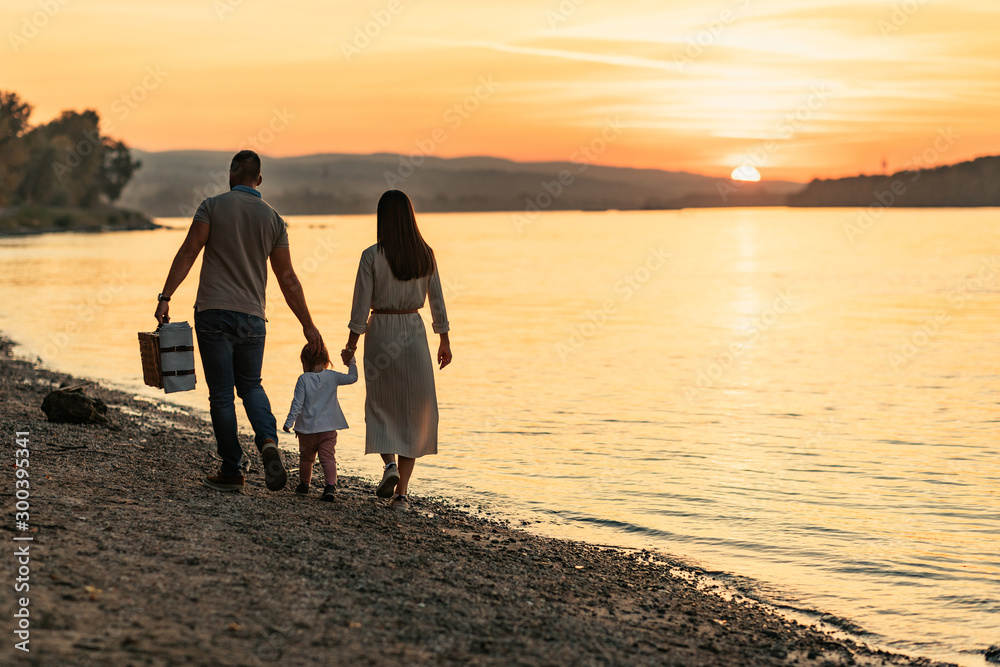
(345, 355)
(444, 352)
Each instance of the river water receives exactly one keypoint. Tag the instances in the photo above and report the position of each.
(784, 394)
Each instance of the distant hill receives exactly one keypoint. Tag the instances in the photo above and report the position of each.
(972, 183)
(173, 183)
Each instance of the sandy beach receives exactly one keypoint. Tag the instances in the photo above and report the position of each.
(134, 562)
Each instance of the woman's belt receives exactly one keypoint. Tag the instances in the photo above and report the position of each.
(394, 312)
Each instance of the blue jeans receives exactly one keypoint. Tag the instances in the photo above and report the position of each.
(232, 352)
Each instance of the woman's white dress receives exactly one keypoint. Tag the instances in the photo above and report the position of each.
(401, 413)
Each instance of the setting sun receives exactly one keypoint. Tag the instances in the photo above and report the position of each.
(745, 173)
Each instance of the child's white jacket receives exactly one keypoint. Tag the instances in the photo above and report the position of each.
(314, 407)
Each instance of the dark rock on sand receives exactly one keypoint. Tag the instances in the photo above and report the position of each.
(69, 405)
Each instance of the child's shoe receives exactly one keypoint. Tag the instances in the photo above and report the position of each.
(302, 489)
(400, 504)
(329, 493)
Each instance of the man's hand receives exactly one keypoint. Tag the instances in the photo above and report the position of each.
(346, 356)
(162, 313)
(286, 429)
(313, 337)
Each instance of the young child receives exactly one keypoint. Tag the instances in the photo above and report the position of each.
(317, 417)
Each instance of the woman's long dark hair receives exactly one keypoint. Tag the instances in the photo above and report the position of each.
(408, 254)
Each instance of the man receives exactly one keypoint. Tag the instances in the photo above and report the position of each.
(239, 232)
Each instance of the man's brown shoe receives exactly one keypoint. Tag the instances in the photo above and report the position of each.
(222, 482)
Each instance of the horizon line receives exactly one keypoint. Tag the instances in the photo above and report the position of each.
(540, 162)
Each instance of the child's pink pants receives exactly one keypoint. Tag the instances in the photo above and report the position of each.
(325, 444)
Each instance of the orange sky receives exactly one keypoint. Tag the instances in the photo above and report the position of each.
(798, 89)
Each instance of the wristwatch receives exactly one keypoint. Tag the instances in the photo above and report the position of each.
(160, 297)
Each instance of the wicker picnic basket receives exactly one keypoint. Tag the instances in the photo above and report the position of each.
(149, 352)
(167, 356)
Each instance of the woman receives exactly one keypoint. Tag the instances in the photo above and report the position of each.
(394, 277)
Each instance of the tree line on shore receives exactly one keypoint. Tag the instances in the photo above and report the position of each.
(972, 183)
(67, 162)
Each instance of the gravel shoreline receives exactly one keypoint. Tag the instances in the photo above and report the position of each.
(135, 562)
